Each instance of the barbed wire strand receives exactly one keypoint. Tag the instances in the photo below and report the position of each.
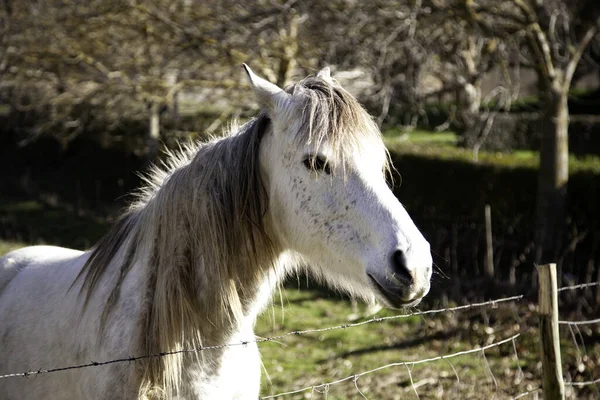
(491, 303)
(397, 364)
(586, 322)
(586, 383)
(580, 286)
(527, 393)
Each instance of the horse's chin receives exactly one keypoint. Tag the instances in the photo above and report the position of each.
(391, 298)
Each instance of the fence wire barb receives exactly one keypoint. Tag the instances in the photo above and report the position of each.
(262, 340)
(397, 364)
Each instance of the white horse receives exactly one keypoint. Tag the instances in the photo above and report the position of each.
(199, 255)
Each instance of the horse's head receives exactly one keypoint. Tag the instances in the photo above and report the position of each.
(323, 164)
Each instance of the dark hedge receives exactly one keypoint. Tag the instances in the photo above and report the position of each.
(447, 197)
(520, 131)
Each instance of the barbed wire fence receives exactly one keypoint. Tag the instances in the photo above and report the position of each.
(407, 364)
(263, 340)
(324, 388)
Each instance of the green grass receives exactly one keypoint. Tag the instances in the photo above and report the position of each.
(442, 145)
(4, 110)
(299, 361)
(421, 137)
(8, 245)
(296, 362)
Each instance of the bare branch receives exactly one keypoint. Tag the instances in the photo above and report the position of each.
(578, 52)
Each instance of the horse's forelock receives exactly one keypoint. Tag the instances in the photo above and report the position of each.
(331, 114)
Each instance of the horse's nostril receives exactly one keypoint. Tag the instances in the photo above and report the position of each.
(400, 268)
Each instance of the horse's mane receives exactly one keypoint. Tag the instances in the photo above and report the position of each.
(198, 227)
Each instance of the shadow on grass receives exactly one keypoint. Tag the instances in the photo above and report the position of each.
(405, 344)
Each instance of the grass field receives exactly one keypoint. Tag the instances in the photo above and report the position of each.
(298, 361)
(316, 359)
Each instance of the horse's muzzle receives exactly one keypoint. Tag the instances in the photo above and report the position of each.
(396, 294)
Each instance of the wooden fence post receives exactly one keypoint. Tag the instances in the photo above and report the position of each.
(553, 384)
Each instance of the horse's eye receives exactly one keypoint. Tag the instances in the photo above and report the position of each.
(317, 163)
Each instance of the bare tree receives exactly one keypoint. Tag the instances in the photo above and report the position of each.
(101, 61)
(554, 35)
(556, 61)
(413, 52)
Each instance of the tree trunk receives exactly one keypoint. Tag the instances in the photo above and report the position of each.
(469, 105)
(553, 175)
(287, 61)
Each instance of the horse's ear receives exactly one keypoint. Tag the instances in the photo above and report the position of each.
(268, 94)
(325, 74)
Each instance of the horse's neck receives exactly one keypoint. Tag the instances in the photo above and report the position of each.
(266, 288)
(256, 296)
(211, 374)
